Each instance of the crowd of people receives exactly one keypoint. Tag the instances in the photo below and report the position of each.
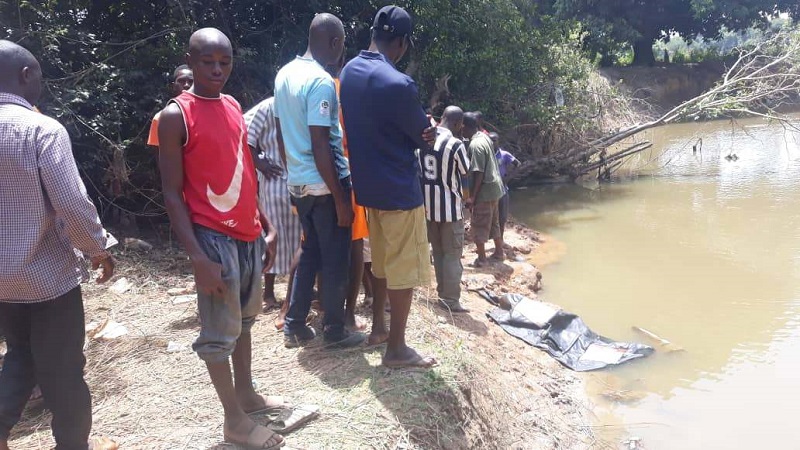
(278, 190)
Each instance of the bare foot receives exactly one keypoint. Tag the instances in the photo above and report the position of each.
(253, 403)
(480, 262)
(377, 338)
(279, 321)
(353, 323)
(36, 394)
(270, 302)
(407, 358)
(497, 256)
(97, 443)
(249, 434)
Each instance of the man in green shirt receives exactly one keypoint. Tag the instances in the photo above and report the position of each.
(487, 189)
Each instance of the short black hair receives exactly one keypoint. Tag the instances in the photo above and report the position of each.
(180, 68)
(14, 58)
(471, 120)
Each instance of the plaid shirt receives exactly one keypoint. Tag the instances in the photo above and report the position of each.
(45, 209)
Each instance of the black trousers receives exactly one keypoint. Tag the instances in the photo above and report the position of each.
(45, 346)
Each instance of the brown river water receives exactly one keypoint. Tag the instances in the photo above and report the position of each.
(705, 252)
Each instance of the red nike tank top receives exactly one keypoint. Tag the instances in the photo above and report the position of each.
(219, 178)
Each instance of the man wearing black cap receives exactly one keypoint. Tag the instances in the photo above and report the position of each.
(385, 123)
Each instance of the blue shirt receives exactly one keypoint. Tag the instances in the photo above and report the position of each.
(305, 96)
(384, 121)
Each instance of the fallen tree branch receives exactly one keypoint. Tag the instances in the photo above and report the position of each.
(762, 79)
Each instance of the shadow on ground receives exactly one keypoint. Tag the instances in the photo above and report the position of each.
(426, 406)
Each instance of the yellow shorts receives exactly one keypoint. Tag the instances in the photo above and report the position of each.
(399, 242)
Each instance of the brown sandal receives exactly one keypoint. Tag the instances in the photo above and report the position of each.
(260, 438)
(272, 404)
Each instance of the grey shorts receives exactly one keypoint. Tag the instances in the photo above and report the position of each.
(224, 318)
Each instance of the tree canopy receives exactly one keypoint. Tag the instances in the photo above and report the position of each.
(107, 64)
(639, 23)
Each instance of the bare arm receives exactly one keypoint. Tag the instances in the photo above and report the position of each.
(271, 240)
(323, 159)
(171, 136)
(279, 137)
(477, 183)
(515, 163)
(266, 166)
(257, 128)
(411, 118)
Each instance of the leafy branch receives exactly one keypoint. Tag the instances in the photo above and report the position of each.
(762, 82)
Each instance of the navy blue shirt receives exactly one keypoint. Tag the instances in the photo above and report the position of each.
(384, 121)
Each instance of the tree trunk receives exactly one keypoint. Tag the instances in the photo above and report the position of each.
(643, 52)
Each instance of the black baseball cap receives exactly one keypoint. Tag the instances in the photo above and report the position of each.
(394, 21)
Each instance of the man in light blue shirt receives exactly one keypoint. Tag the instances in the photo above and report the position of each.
(305, 96)
(310, 141)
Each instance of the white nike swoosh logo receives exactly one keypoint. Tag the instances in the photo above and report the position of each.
(227, 200)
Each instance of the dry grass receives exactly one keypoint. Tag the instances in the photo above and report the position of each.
(489, 391)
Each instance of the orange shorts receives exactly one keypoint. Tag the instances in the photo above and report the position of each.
(360, 230)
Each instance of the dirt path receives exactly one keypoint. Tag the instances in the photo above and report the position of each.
(490, 390)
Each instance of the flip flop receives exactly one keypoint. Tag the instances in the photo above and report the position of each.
(292, 419)
(259, 439)
(274, 403)
(420, 362)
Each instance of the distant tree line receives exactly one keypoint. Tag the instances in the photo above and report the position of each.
(637, 24)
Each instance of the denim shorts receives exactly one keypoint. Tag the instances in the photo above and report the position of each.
(224, 318)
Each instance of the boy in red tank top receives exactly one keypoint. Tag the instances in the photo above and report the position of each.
(209, 185)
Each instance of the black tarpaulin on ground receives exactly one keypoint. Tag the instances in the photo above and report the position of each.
(561, 334)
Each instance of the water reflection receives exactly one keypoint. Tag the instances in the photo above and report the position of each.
(704, 251)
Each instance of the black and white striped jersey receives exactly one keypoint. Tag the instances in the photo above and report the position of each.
(442, 167)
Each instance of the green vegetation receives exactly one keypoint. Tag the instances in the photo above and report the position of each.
(107, 64)
(615, 24)
(699, 50)
(523, 63)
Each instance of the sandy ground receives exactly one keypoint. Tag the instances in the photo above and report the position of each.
(490, 390)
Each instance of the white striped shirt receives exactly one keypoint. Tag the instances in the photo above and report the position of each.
(273, 194)
(442, 168)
